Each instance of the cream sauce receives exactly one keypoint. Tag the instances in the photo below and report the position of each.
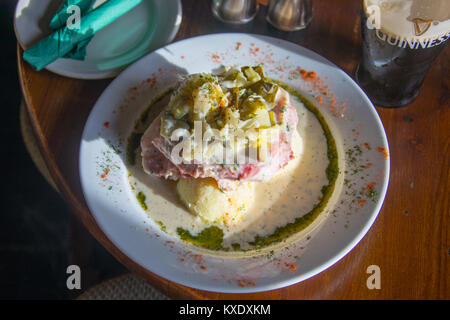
(292, 193)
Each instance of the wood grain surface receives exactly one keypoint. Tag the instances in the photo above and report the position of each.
(409, 240)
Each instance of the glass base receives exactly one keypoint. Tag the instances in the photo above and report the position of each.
(376, 98)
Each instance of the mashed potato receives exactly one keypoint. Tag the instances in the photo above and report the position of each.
(203, 198)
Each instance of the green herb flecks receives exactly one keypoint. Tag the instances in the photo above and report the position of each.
(161, 225)
(141, 199)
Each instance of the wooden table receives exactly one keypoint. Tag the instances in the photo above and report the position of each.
(410, 239)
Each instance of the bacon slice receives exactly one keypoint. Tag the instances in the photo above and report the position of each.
(157, 159)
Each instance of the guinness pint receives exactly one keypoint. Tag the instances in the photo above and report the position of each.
(401, 39)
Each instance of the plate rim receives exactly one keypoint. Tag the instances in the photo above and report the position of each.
(100, 75)
(294, 279)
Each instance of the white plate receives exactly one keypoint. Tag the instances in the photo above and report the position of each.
(149, 26)
(352, 119)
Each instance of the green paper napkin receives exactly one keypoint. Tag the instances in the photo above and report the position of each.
(60, 18)
(79, 51)
(64, 40)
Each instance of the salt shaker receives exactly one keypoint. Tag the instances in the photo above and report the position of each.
(235, 11)
(289, 15)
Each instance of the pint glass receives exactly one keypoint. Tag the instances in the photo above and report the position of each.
(401, 39)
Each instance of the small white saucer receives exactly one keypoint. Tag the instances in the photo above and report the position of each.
(149, 26)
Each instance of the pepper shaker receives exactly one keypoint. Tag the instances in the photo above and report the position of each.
(289, 15)
(235, 11)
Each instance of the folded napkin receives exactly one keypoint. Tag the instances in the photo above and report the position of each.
(60, 18)
(65, 41)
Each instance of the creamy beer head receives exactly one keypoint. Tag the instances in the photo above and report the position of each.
(411, 20)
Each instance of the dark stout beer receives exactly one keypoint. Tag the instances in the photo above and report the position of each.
(400, 41)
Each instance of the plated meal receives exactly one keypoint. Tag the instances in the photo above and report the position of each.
(253, 163)
(234, 165)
